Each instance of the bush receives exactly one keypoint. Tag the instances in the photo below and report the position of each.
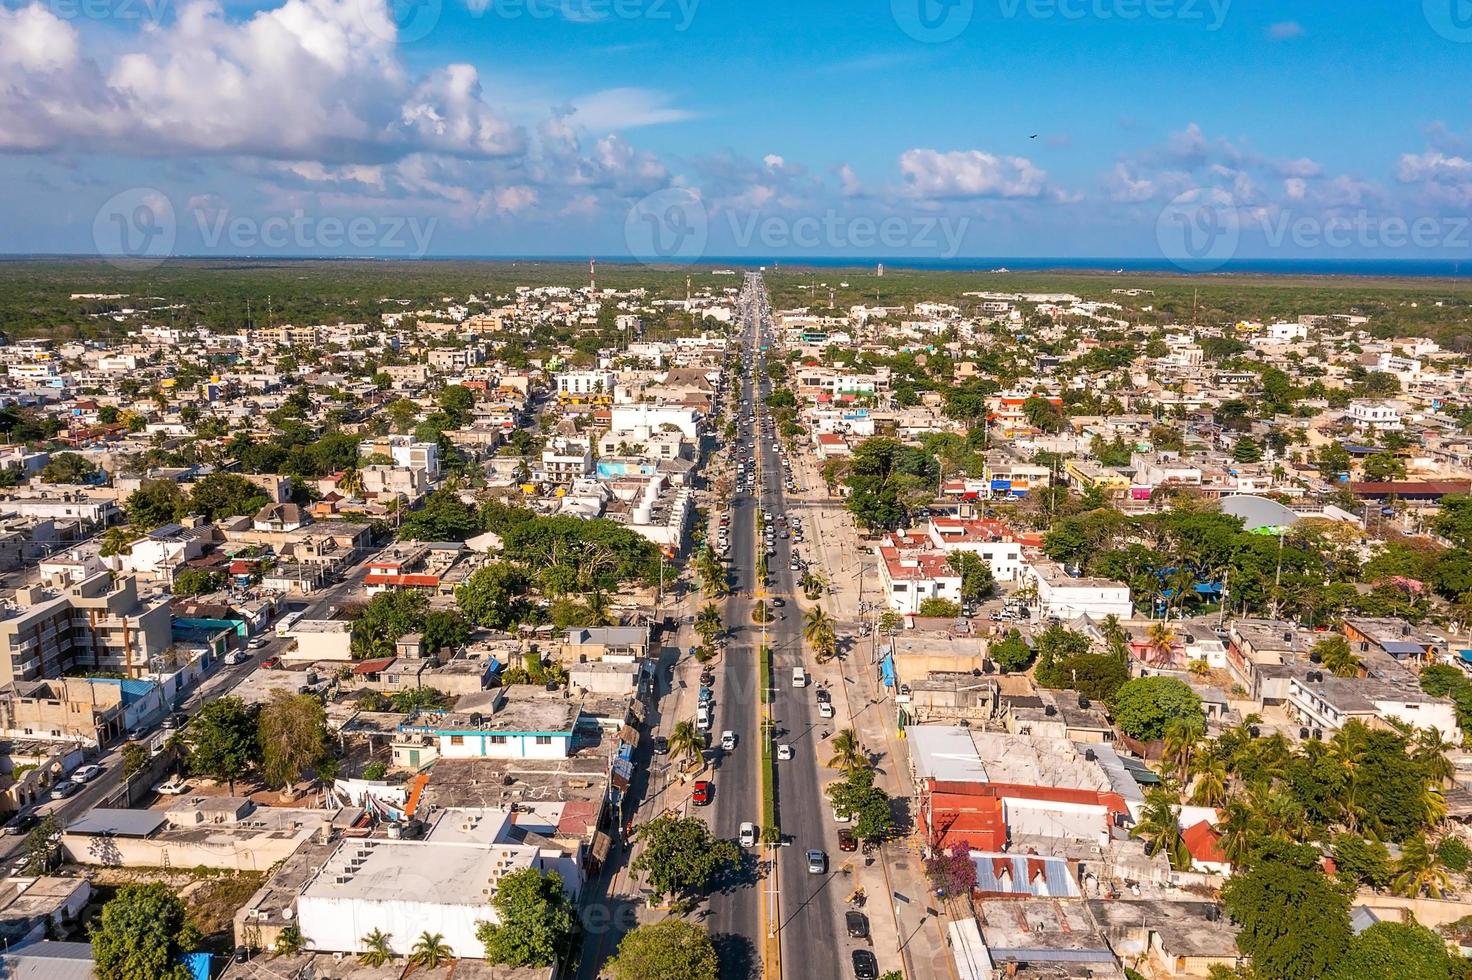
(1144, 706)
(1012, 653)
(1455, 855)
(939, 608)
(375, 771)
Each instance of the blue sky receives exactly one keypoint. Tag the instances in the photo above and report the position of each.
(1192, 129)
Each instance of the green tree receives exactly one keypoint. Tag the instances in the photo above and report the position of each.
(1246, 450)
(155, 503)
(141, 935)
(69, 468)
(225, 495)
(41, 848)
(1143, 706)
(1294, 921)
(680, 856)
(1334, 653)
(1395, 951)
(848, 753)
(1361, 859)
(456, 401)
(1160, 827)
(1012, 653)
(197, 581)
(977, 582)
(430, 951)
(293, 736)
(494, 596)
(135, 758)
(537, 920)
(685, 741)
(221, 742)
(669, 950)
(376, 949)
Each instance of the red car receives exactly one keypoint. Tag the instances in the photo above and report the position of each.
(704, 790)
(847, 841)
(271, 663)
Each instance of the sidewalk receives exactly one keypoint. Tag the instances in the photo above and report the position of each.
(910, 933)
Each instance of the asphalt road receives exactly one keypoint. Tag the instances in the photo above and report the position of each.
(734, 921)
(811, 905)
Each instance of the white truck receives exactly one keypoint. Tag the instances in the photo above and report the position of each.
(799, 677)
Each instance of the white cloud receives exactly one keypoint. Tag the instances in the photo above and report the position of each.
(310, 79)
(930, 174)
(625, 108)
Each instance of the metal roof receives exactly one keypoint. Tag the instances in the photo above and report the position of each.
(117, 822)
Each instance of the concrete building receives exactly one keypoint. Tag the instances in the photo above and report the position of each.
(1067, 597)
(95, 624)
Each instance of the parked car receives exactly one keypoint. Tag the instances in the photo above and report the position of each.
(857, 924)
(847, 841)
(173, 787)
(702, 793)
(271, 663)
(85, 774)
(64, 789)
(866, 967)
(784, 753)
(661, 745)
(817, 862)
(19, 824)
(235, 658)
(256, 642)
(748, 835)
(137, 734)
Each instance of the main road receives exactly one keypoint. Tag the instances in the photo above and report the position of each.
(811, 905)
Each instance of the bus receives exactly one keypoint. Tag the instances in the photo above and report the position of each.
(284, 627)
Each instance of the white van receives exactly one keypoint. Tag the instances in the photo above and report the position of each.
(825, 710)
(799, 677)
(702, 718)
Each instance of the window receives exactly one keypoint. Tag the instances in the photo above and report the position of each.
(498, 739)
(544, 739)
(457, 739)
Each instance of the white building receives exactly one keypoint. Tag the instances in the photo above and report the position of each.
(687, 420)
(509, 728)
(987, 540)
(1368, 413)
(1063, 596)
(405, 888)
(581, 384)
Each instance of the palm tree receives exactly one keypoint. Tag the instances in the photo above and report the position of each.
(848, 754)
(1116, 638)
(1336, 655)
(1181, 738)
(685, 741)
(377, 951)
(1430, 752)
(1419, 870)
(1239, 830)
(1161, 829)
(1210, 774)
(351, 483)
(818, 630)
(431, 950)
(1160, 643)
(708, 622)
(115, 540)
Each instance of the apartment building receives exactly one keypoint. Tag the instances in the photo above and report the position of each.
(94, 624)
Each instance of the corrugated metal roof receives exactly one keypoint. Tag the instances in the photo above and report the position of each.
(1012, 874)
(117, 822)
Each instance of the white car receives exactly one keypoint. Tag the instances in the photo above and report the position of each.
(784, 753)
(728, 740)
(748, 835)
(174, 787)
(86, 774)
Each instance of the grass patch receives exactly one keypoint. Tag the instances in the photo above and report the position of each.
(769, 752)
